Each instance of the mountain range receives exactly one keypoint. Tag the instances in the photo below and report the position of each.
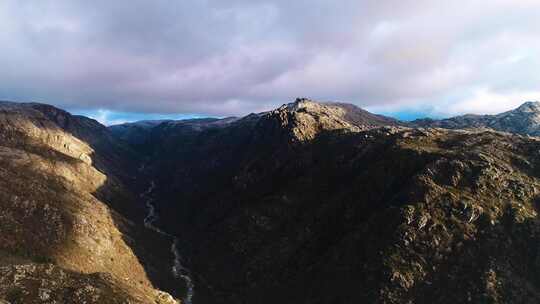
(307, 203)
(524, 120)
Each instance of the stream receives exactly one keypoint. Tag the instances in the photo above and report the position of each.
(178, 270)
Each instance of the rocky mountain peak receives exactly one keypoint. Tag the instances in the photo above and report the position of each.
(529, 106)
(309, 117)
(304, 119)
(303, 104)
(306, 105)
(524, 120)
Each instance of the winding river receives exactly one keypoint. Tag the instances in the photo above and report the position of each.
(178, 270)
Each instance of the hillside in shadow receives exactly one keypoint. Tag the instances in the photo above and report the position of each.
(275, 208)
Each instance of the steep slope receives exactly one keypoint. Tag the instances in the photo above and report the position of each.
(302, 205)
(56, 227)
(361, 117)
(524, 120)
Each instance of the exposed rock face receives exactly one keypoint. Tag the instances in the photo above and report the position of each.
(110, 155)
(305, 119)
(46, 283)
(301, 205)
(55, 208)
(334, 115)
(524, 120)
(22, 123)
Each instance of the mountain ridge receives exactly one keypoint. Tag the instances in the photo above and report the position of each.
(62, 220)
(524, 120)
(307, 203)
(293, 202)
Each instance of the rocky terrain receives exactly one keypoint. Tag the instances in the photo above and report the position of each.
(305, 205)
(62, 236)
(308, 203)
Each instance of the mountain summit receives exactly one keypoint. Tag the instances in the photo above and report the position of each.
(530, 106)
(348, 112)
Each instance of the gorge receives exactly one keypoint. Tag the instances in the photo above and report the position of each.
(307, 203)
(177, 269)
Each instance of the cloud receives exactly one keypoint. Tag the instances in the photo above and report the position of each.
(235, 57)
(102, 116)
(485, 101)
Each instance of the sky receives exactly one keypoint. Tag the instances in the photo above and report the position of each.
(125, 60)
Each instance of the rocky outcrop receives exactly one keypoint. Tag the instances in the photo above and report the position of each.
(21, 123)
(304, 119)
(57, 226)
(46, 283)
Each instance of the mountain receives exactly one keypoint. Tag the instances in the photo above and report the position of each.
(138, 134)
(523, 120)
(63, 237)
(304, 204)
(361, 117)
(135, 133)
(307, 203)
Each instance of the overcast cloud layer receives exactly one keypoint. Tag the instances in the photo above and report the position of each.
(233, 57)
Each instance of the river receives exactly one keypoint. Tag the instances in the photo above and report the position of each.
(178, 270)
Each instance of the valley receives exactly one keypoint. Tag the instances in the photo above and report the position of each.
(177, 269)
(307, 203)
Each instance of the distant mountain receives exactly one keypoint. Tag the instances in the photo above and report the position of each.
(137, 132)
(523, 120)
